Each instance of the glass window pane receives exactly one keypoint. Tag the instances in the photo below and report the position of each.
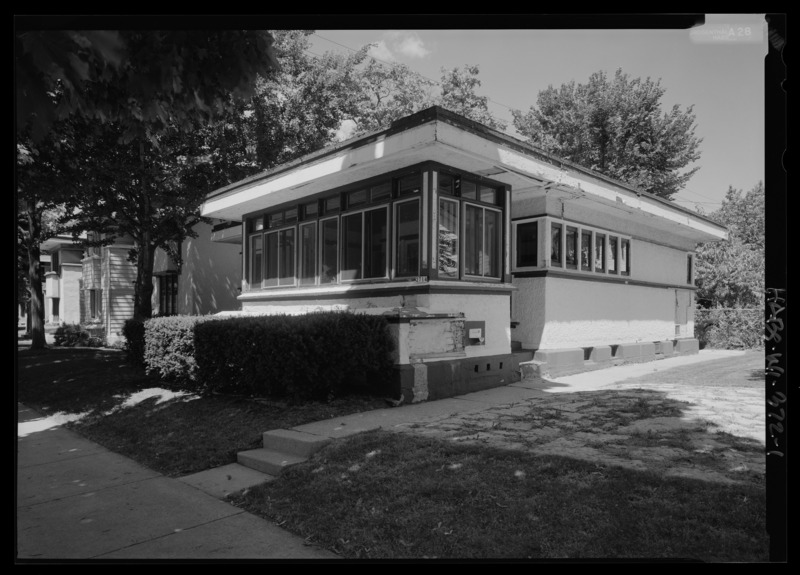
(351, 250)
(411, 184)
(271, 253)
(469, 190)
(381, 192)
(445, 184)
(290, 215)
(624, 257)
(555, 245)
(407, 239)
(275, 220)
(356, 198)
(330, 251)
(488, 195)
(491, 244)
(256, 258)
(332, 204)
(599, 252)
(375, 244)
(308, 254)
(258, 224)
(586, 250)
(473, 241)
(572, 247)
(448, 239)
(286, 257)
(612, 255)
(310, 209)
(527, 244)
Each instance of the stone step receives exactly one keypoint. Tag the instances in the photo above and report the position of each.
(267, 461)
(294, 442)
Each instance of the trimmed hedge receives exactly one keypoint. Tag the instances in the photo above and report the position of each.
(726, 328)
(75, 335)
(169, 347)
(313, 356)
(133, 331)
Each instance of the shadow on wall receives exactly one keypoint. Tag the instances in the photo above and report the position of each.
(210, 277)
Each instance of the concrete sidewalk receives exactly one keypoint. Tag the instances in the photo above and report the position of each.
(78, 500)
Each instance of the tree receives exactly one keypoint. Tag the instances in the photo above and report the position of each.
(133, 84)
(150, 192)
(388, 93)
(730, 273)
(458, 94)
(616, 127)
(297, 109)
(141, 80)
(40, 170)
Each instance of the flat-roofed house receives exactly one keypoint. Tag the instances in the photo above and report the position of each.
(481, 250)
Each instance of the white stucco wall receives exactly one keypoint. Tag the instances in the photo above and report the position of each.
(70, 305)
(655, 263)
(493, 309)
(210, 276)
(584, 313)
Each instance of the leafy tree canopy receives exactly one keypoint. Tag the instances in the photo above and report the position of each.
(143, 81)
(616, 126)
(730, 273)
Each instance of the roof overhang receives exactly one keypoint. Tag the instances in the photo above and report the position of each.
(441, 136)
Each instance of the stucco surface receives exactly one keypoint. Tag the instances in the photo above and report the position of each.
(556, 313)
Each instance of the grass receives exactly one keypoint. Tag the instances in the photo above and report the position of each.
(393, 496)
(135, 415)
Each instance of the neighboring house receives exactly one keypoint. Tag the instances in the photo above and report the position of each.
(61, 260)
(95, 286)
(474, 245)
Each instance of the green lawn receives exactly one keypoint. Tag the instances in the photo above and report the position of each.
(391, 496)
(177, 436)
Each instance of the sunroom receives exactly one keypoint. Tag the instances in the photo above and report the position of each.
(482, 251)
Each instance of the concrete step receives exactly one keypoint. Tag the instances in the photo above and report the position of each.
(267, 461)
(294, 442)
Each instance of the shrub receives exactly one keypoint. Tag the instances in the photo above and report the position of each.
(133, 331)
(309, 356)
(169, 347)
(727, 328)
(75, 335)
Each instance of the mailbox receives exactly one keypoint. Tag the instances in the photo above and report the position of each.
(474, 333)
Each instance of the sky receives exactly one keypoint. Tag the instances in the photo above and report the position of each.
(717, 68)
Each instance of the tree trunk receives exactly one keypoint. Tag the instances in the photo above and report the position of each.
(143, 289)
(34, 275)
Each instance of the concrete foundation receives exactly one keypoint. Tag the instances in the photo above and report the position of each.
(428, 380)
(558, 362)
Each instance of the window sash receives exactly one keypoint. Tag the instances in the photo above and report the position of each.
(571, 248)
(482, 241)
(407, 238)
(279, 253)
(256, 260)
(329, 251)
(448, 236)
(586, 250)
(612, 254)
(527, 244)
(307, 274)
(599, 252)
(555, 244)
(365, 248)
